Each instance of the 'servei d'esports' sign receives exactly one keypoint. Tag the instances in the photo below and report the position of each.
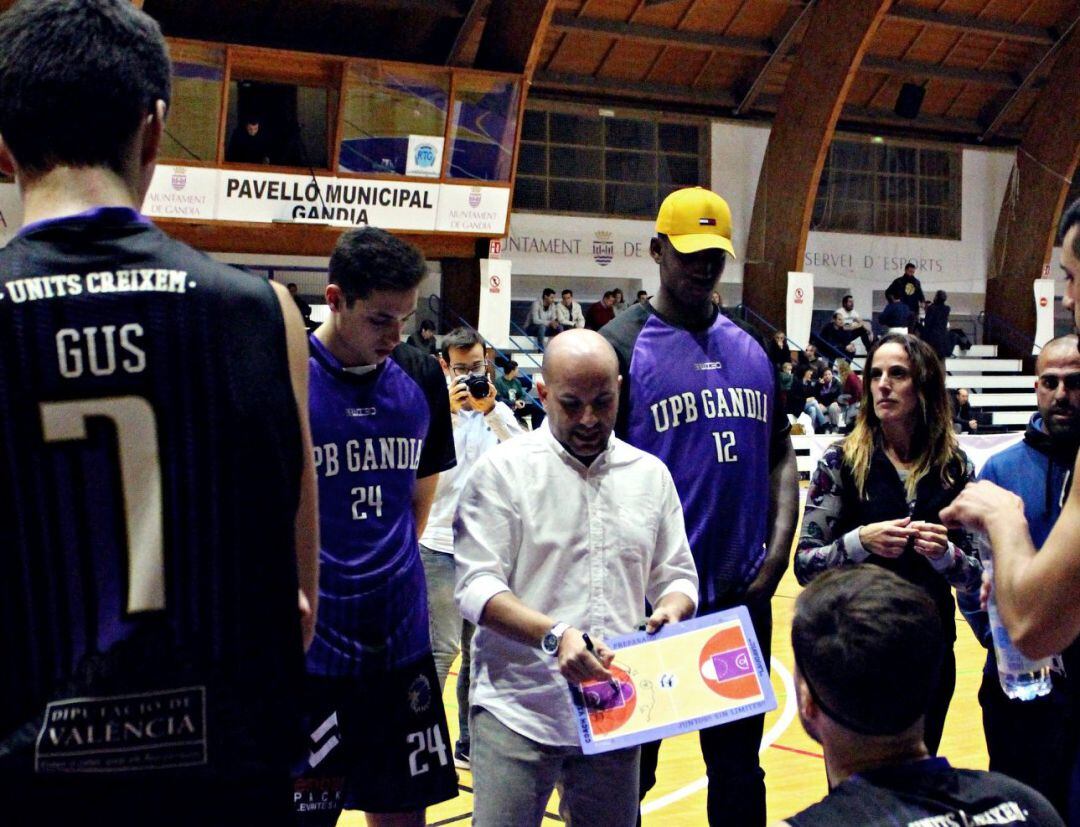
(200, 193)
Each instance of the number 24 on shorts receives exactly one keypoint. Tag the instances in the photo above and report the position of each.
(431, 741)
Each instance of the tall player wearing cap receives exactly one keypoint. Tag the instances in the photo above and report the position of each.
(157, 485)
(700, 393)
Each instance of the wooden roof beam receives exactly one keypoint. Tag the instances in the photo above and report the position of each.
(794, 20)
(841, 31)
(660, 36)
(474, 19)
(513, 35)
(1045, 162)
(883, 65)
(1027, 83)
(643, 90)
(974, 25)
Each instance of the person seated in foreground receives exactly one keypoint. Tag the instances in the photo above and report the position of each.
(864, 679)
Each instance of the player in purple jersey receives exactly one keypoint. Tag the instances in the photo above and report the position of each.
(700, 393)
(150, 400)
(380, 421)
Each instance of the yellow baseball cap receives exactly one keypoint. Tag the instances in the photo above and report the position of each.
(696, 219)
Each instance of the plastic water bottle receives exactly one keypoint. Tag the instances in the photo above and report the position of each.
(1021, 677)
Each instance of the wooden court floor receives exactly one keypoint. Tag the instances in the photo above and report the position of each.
(794, 768)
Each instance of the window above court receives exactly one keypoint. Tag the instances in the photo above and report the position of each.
(876, 186)
(297, 111)
(574, 160)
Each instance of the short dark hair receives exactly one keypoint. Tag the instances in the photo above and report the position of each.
(368, 259)
(609, 294)
(461, 337)
(940, 297)
(510, 366)
(568, 291)
(427, 324)
(547, 292)
(76, 79)
(641, 293)
(868, 644)
(1071, 219)
(910, 264)
(291, 285)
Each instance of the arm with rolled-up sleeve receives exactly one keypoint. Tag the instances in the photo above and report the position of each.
(536, 318)
(673, 569)
(819, 546)
(487, 536)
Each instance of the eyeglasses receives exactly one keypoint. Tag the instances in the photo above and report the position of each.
(1050, 381)
(476, 368)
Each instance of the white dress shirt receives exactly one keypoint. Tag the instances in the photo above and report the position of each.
(474, 434)
(586, 546)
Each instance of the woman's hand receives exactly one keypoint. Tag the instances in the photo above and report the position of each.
(931, 539)
(888, 538)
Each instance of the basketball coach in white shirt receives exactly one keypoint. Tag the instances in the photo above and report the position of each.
(562, 533)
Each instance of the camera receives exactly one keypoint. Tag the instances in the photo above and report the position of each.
(478, 386)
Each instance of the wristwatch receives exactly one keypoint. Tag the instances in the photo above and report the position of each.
(550, 642)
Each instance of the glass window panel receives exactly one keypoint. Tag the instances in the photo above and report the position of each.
(534, 127)
(530, 193)
(934, 163)
(484, 127)
(630, 199)
(277, 123)
(627, 134)
(198, 82)
(572, 162)
(575, 196)
(675, 137)
(933, 192)
(532, 159)
(679, 169)
(385, 104)
(576, 129)
(636, 167)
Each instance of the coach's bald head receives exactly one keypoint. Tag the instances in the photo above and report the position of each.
(580, 390)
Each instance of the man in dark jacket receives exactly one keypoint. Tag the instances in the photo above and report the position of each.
(896, 313)
(965, 418)
(1035, 741)
(908, 289)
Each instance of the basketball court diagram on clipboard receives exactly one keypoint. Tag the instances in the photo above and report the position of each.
(688, 676)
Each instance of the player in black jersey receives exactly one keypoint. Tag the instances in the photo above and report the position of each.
(864, 680)
(157, 500)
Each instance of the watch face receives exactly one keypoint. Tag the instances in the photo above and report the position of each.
(550, 644)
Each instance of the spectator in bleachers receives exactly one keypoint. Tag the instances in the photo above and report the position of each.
(568, 312)
(423, 338)
(804, 390)
(543, 322)
(827, 394)
(620, 303)
(851, 389)
(601, 312)
(809, 358)
(839, 340)
(909, 289)
(510, 391)
(718, 302)
(853, 322)
(642, 297)
(965, 417)
(935, 328)
(896, 316)
(786, 376)
(779, 348)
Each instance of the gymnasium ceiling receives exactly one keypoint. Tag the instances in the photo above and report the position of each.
(983, 62)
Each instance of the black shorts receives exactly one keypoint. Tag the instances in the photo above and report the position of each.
(378, 743)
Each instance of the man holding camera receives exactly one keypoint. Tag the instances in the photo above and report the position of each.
(480, 422)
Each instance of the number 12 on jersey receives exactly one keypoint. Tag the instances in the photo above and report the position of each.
(725, 446)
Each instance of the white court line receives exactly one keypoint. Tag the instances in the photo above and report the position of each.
(770, 737)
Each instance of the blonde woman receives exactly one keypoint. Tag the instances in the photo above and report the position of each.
(875, 497)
